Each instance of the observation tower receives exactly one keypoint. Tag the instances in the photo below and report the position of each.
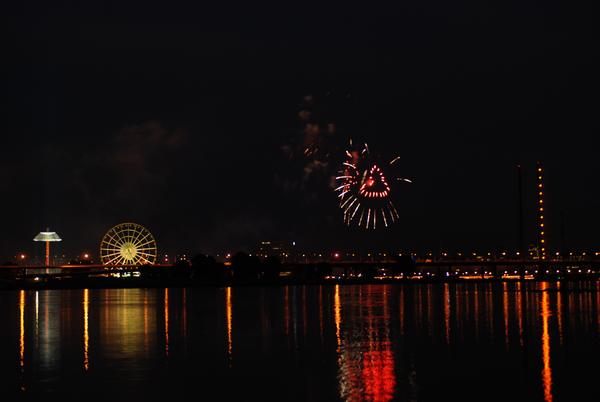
(47, 237)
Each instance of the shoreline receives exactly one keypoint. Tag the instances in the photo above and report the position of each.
(132, 283)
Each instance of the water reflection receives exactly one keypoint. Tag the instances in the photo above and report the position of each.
(489, 314)
(519, 307)
(146, 340)
(559, 311)
(547, 369)
(378, 370)
(505, 312)
(125, 331)
(37, 315)
(166, 303)
(228, 309)
(476, 312)
(184, 326)
(337, 305)
(401, 309)
(598, 311)
(22, 337)
(350, 343)
(294, 302)
(304, 312)
(86, 335)
(286, 309)
(430, 320)
(447, 312)
(50, 332)
(321, 333)
(366, 363)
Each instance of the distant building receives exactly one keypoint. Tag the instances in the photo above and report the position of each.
(534, 252)
(284, 250)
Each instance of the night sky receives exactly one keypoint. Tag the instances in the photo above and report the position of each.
(185, 119)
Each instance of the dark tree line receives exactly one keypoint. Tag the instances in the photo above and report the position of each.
(245, 268)
(203, 268)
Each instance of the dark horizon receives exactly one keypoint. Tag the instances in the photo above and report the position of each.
(182, 119)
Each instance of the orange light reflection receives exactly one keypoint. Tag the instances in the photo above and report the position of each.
(519, 297)
(559, 311)
(489, 301)
(86, 336)
(22, 330)
(229, 323)
(338, 316)
(146, 320)
(167, 322)
(547, 369)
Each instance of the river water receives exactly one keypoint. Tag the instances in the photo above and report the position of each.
(427, 342)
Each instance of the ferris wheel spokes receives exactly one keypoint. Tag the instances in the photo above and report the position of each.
(128, 244)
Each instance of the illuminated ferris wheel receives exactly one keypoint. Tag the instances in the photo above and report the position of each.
(128, 244)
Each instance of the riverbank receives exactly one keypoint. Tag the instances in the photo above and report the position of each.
(109, 282)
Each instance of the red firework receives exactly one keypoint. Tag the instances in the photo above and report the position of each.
(365, 193)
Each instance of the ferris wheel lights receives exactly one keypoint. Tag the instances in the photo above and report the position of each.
(128, 244)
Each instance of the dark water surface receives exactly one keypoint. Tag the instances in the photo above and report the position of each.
(427, 342)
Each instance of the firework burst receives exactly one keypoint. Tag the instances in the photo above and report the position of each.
(364, 190)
